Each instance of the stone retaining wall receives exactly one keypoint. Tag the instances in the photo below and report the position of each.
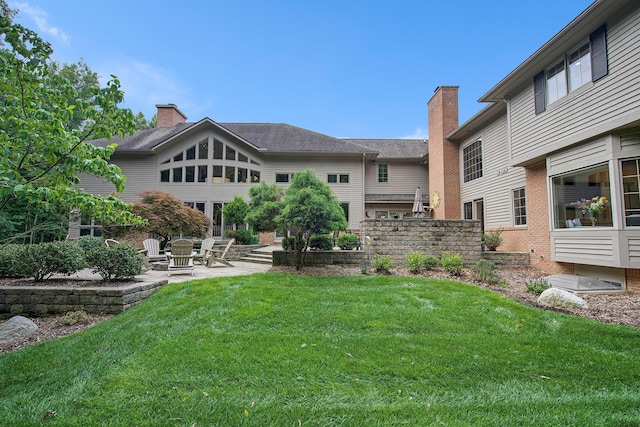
(507, 259)
(396, 238)
(320, 258)
(47, 300)
(238, 251)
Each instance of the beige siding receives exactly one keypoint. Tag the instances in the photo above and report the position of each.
(323, 165)
(593, 109)
(404, 177)
(584, 155)
(599, 249)
(498, 179)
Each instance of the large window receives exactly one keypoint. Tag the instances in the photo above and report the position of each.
(383, 172)
(519, 207)
(585, 63)
(472, 161)
(631, 191)
(570, 189)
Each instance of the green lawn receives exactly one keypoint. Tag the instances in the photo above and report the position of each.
(283, 350)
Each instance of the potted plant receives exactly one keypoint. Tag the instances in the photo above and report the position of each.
(493, 239)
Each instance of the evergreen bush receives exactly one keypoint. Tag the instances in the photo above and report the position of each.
(415, 261)
(348, 241)
(43, 260)
(11, 261)
(322, 242)
(484, 271)
(116, 263)
(243, 237)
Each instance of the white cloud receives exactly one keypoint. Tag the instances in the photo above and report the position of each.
(40, 17)
(146, 85)
(420, 133)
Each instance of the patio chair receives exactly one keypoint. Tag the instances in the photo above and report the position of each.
(214, 259)
(206, 250)
(181, 256)
(111, 242)
(152, 248)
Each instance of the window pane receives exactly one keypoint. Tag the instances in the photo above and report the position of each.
(468, 210)
(344, 179)
(230, 175)
(579, 67)
(242, 157)
(177, 174)
(630, 186)
(472, 161)
(519, 207)
(164, 175)
(345, 208)
(231, 153)
(200, 206)
(556, 83)
(332, 178)
(570, 189)
(243, 175)
(191, 153)
(177, 157)
(203, 150)
(383, 172)
(255, 176)
(218, 148)
(282, 177)
(202, 173)
(190, 174)
(216, 174)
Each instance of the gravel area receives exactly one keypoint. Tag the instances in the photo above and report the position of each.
(622, 309)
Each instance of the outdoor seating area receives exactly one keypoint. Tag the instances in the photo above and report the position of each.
(181, 257)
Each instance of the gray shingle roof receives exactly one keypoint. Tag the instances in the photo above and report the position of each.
(395, 148)
(283, 137)
(144, 140)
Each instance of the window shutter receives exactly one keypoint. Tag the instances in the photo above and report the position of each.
(599, 66)
(538, 92)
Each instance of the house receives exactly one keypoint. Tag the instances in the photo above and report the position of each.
(561, 127)
(206, 164)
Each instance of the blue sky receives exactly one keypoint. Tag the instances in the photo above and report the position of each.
(343, 68)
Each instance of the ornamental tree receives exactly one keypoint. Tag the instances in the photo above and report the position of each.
(310, 207)
(166, 216)
(265, 205)
(41, 152)
(235, 211)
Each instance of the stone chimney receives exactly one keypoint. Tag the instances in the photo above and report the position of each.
(169, 115)
(444, 158)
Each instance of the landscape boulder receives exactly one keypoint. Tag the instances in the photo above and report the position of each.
(559, 298)
(15, 328)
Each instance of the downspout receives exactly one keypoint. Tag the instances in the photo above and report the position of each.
(508, 102)
(364, 208)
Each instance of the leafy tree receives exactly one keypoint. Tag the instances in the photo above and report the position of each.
(166, 216)
(142, 123)
(235, 211)
(310, 208)
(41, 155)
(265, 205)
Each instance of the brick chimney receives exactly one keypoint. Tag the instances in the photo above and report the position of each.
(444, 159)
(169, 115)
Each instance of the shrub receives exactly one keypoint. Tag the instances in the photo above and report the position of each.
(493, 239)
(537, 286)
(43, 260)
(118, 262)
(323, 243)
(382, 264)
(484, 271)
(89, 245)
(11, 257)
(415, 261)
(348, 241)
(431, 262)
(73, 318)
(452, 263)
(291, 240)
(243, 237)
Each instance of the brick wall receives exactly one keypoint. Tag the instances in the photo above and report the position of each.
(168, 116)
(538, 222)
(633, 280)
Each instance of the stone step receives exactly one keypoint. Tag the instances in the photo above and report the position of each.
(257, 260)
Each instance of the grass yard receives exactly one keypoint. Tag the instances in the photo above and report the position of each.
(284, 350)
